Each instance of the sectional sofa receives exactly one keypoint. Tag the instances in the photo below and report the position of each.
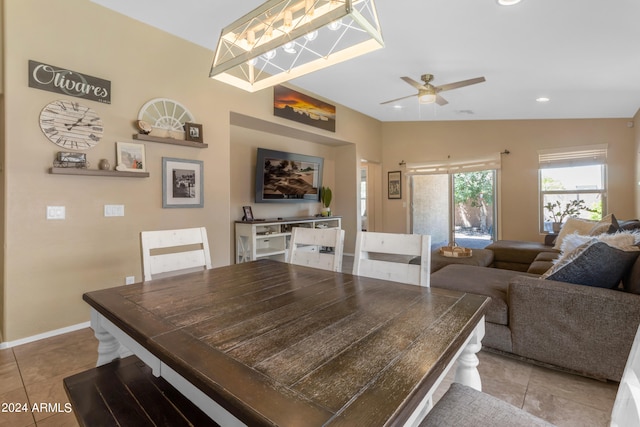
(538, 312)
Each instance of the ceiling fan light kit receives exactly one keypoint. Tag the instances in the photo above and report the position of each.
(428, 93)
(284, 39)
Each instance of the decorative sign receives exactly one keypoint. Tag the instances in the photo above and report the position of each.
(71, 83)
(296, 106)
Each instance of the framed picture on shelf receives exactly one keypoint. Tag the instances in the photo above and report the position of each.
(130, 157)
(395, 185)
(248, 213)
(182, 183)
(193, 132)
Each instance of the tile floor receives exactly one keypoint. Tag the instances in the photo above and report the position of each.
(32, 374)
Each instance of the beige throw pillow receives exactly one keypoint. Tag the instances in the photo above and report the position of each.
(574, 225)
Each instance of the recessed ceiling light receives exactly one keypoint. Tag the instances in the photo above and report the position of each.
(398, 107)
(542, 99)
(508, 2)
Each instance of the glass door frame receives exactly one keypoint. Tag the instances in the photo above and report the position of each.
(451, 217)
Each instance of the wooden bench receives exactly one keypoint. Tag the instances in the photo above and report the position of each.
(125, 393)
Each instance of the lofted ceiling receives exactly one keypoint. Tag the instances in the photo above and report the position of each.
(584, 55)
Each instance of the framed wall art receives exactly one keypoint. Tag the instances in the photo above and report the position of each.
(182, 183)
(130, 157)
(293, 105)
(395, 185)
(193, 132)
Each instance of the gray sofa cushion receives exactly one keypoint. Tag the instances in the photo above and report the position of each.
(515, 254)
(464, 406)
(491, 282)
(593, 264)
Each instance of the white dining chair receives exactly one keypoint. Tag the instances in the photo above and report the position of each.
(310, 247)
(464, 406)
(386, 256)
(165, 251)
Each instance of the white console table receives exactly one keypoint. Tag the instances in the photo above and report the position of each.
(270, 238)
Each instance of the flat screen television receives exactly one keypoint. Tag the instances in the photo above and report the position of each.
(283, 177)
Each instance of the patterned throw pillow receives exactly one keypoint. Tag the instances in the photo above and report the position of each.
(595, 263)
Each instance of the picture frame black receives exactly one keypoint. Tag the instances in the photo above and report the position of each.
(248, 213)
(182, 183)
(394, 185)
(193, 132)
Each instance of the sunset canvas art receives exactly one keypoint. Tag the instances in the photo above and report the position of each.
(296, 106)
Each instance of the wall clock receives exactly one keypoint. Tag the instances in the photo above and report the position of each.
(71, 125)
(166, 114)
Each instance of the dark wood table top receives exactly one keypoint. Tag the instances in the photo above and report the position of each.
(278, 344)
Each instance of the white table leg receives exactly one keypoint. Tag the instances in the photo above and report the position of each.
(108, 345)
(467, 370)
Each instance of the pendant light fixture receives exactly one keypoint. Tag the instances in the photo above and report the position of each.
(285, 39)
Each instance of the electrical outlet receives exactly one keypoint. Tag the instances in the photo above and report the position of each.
(55, 212)
(129, 280)
(113, 210)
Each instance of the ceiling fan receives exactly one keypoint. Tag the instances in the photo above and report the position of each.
(428, 93)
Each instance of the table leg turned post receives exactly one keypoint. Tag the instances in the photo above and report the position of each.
(467, 370)
(108, 346)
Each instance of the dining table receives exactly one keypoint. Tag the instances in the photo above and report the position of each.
(267, 343)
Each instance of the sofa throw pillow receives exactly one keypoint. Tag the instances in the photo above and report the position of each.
(595, 263)
(602, 226)
(573, 225)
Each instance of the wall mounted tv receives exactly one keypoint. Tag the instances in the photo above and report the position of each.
(287, 177)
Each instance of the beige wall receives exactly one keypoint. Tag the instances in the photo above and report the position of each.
(49, 264)
(518, 180)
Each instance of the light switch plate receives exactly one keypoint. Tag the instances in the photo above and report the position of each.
(55, 212)
(113, 210)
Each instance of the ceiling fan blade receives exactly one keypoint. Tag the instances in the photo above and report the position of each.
(413, 83)
(398, 99)
(441, 101)
(462, 83)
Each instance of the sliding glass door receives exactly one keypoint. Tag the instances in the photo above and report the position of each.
(455, 207)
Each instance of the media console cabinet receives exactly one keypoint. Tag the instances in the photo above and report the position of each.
(270, 238)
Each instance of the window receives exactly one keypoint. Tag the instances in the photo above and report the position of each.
(571, 175)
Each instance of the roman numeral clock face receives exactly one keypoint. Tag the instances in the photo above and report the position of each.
(71, 125)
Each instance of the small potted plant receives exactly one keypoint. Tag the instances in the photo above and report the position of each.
(325, 198)
(558, 213)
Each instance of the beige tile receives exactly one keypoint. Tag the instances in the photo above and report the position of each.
(59, 420)
(6, 356)
(563, 412)
(501, 377)
(51, 392)
(596, 394)
(9, 374)
(17, 413)
(504, 378)
(49, 358)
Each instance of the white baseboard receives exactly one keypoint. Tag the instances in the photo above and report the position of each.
(9, 344)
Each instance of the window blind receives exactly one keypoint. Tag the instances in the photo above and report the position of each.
(573, 156)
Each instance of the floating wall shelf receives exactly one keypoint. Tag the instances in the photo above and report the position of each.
(143, 137)
(97, 172)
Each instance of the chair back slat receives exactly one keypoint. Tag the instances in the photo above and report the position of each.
(158, 257)
(307, 244)
(386, 256)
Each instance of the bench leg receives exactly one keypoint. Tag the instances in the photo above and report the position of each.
(467, 370)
